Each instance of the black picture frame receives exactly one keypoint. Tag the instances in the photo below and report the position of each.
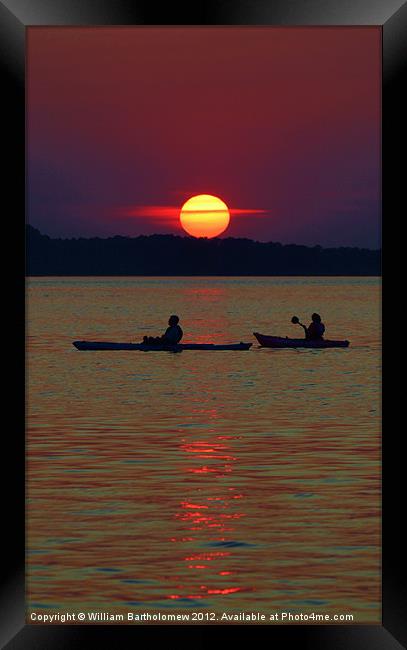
(15, 17)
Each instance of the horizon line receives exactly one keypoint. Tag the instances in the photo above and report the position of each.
(191, 237)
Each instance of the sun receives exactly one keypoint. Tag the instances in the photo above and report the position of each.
(204, 215)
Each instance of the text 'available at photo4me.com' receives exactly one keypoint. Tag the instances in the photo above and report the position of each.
(189, 617)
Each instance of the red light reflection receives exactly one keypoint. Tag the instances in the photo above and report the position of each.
(212, 510)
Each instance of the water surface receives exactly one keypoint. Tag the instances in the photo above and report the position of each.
(205, 481)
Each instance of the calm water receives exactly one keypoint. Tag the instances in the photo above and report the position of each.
(203, 481)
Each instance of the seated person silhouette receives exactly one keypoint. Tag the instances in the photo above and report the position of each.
(172, 335)
(315, 330)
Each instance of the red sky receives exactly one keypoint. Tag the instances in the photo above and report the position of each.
(283, 124)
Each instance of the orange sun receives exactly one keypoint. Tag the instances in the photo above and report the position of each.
(204, 215)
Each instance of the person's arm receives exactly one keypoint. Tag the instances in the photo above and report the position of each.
(164, 337)
(304, 327)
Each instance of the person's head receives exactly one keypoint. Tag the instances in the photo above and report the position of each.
(316, 318)
(173, 320)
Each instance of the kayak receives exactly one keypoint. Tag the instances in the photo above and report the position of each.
(280, 342)
(145, 347)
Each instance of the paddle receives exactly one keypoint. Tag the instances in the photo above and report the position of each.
(296, 321)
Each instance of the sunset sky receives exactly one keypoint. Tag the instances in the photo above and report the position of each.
(282, 124)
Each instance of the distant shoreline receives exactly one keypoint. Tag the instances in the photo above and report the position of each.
(191, 275)
(175, 256)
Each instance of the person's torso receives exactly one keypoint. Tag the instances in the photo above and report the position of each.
(316, 330)
(173, 333)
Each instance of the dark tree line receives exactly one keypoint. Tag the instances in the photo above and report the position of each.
(173, 255)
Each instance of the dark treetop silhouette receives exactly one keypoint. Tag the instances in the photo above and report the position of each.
(173, 255)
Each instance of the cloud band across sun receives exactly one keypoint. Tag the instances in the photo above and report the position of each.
(172, 211)
(200, 216)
